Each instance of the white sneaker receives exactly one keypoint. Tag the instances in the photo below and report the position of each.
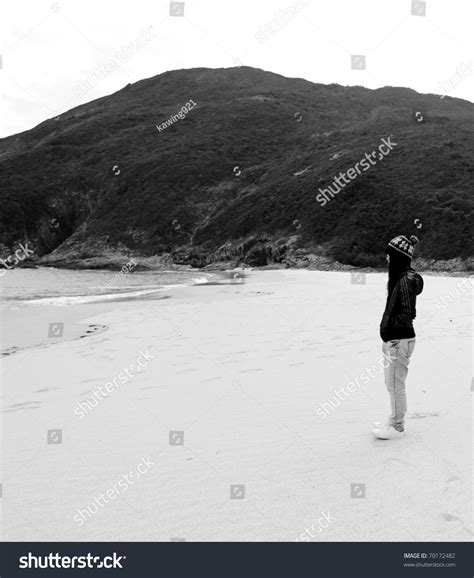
(387, 432)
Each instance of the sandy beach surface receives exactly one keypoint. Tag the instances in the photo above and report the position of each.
(218, 424)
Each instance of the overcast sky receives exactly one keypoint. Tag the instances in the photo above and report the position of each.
(50, 48)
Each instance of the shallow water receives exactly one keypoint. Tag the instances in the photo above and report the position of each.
(50, 286)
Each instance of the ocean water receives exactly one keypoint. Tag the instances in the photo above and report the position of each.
(51, 286)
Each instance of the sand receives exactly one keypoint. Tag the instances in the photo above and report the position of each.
(242, 370)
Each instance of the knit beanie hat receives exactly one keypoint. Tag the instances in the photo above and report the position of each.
(403, 245)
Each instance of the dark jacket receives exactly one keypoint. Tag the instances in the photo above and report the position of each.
(400, 309)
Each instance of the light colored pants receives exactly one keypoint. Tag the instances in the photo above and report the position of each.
(398, 352)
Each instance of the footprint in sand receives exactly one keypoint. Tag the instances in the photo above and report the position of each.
(93, 329)
(449, 483)
(250, 370)
(24, 405)
(450, 518)
(238, 352)
(403, 462)
(10, 351)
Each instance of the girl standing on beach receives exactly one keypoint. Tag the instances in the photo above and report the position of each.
(396, 331)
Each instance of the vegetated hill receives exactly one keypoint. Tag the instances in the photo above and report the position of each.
(237, 178)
